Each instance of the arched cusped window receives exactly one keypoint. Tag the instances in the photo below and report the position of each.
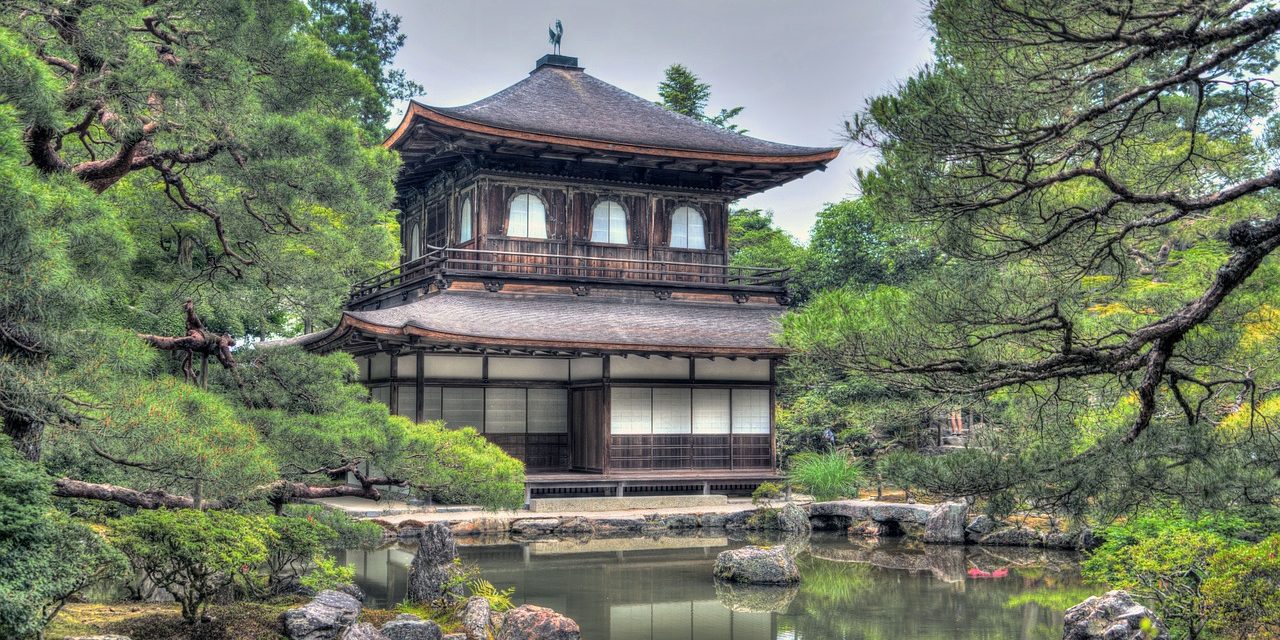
(415, 241)
(527, 217)
(609, 223)
(688, 229)
(464, 220)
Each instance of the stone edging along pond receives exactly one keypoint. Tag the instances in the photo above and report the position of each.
(946, 523)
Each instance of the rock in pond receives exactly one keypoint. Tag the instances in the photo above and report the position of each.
(793, 519)
(946, 522)
(757, 565)
(407, 626)
(680, 521)
(1114, 616)
(529, 622)
(475, 618)
(324, 618)
(618, 526)
(575, 526)
(534, 526)
(981, 526)
(433, 565)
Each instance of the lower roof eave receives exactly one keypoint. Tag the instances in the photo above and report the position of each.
(411, 335)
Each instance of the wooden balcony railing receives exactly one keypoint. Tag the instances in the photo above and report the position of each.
(452, 262)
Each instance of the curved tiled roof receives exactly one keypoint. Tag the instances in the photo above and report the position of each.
(565, 102)
(571, 322)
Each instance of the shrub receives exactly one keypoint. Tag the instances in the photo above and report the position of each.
(1164, 559)
(45, 556)
(326, 573)
(352, 533)
(193, 554)
(1243, 590)
(296, 542)
(766, 493)
(825, 476)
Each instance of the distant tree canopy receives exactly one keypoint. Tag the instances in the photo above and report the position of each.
(154, 152)
(357, 32)
(683, 92)
(848, 247)
(1104, 212)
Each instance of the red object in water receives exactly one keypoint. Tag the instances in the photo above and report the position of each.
(979, 573)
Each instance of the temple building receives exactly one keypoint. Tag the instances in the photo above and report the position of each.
(565, 287)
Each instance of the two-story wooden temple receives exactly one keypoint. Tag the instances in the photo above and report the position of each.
(565, 287)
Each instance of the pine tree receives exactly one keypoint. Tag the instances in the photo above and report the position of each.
(684, 93)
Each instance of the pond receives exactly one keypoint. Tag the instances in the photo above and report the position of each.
(661, 588)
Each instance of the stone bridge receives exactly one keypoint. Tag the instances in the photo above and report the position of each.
(939, 523)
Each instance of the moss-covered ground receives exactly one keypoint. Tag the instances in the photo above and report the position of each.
(163, 621)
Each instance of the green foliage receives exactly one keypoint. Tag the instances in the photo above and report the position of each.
(754, 241)
(499, 599)
(315, 418)
(446, 617)
(682, 92)
(1243, 590)
(168, 433)
(959, 474)
(296, 542)
(825, 476)
(60, 250)
(192, 554)
(1164, 559)
(447, 612)
(851, 245)
(325, 573)
(357, 32)
(1094, 308)
(765, 493)
(351, 533)
(48, 558)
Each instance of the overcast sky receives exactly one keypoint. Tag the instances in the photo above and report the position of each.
(800, 67)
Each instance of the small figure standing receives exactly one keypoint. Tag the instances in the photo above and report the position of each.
(829, 438)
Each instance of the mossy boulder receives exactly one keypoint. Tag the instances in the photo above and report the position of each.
(757, 565)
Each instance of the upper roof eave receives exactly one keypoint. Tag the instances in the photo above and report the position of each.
(417, 110)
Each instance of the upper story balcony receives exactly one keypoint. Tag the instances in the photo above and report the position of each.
(439, 267)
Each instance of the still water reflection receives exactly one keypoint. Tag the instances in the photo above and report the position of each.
(651, 589)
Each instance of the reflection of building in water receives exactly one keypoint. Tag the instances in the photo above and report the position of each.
(662, 589)
(615, 589)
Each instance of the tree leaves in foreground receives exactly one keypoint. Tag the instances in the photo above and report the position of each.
(1099, 181)
(155, 152)
(47, 556)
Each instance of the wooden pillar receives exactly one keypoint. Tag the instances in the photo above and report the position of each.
(393, 384)
(419, 403)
